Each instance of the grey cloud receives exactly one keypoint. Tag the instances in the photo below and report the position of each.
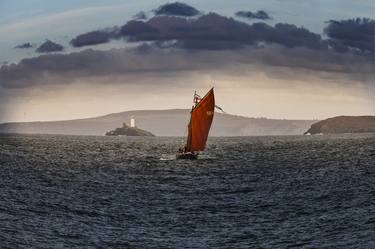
(289, 35)
(24, 46)
(177, 9)
(357, 35)
(93, 38)
(260, 14)
(133, 28)
(66, 68)
(219, 31)
(141, 15)
(139, 30)
(49, 46)
(150, 59)
(210, 31)
(207, 45)
(216, 32)
(170, 44)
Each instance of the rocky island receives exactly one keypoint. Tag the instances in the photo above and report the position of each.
(344, 124)
(126, 130)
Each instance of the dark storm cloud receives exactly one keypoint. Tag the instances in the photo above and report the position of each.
(353, 34)
(66, 68)
(93, 38)
(260, 14)
(139, 30)
(49, 46)
(289, 35)
(213, 31)
(207, 45)
(210, 31)
(216, 32)
(210, 27)
(141, 15)
(24, 46)
(92, 66)
(172, 44)
(177, 9)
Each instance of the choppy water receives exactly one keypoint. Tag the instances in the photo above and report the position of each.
(260, 192)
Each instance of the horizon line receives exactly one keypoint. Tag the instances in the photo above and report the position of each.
(171, 109)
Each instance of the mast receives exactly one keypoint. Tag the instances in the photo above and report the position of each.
(188, 142)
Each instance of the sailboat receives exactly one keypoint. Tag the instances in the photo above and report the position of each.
(201, 116)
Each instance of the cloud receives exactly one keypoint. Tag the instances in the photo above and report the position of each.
(67, 68)
(176, 9)
(117, 65)
(260, 14)
(357, 35)
(24, 46)
(141, 15)
(49, 46)
(210, 31)
(93, 38)
(213, 31)
(139, 30)
(290, 36)
(173, 44)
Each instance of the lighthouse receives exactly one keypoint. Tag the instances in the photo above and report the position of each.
(132, 122)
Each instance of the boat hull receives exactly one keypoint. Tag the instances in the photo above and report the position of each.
(187, 156)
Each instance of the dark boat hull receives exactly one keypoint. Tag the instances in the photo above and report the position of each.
(188, 156)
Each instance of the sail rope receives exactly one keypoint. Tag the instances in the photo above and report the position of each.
(198, 98)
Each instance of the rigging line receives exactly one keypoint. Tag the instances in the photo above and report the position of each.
(198, 97)
(219, 108)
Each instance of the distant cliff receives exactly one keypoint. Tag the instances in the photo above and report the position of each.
(129, 131)
(344, 124)
(163, 123)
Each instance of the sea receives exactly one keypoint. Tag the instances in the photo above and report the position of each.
(243, 192)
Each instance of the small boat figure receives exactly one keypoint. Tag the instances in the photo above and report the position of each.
(201, 116)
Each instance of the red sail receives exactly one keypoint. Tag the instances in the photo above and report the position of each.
(200, 122)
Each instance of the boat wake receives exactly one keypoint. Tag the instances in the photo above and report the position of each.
(167, 157)
(206, 157)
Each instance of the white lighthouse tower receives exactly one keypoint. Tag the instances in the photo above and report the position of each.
(132, 121)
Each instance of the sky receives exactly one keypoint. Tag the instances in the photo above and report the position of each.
(287, 59)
